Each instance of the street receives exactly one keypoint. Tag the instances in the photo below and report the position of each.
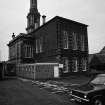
(18, 92)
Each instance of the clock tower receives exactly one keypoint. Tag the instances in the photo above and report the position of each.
(33, 17)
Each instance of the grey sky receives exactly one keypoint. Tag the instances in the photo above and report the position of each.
(91, 12)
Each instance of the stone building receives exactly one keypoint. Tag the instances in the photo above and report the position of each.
(59, 40)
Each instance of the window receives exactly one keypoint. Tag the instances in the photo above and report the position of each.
(82, 43)
(18, 50)
(84, 64)
(74, 35)
(39, 43)
(75, 65)
(25, 51)
(31, 20)
(28, 51)
(36, 25)
(65, 40)
(36, 46)
(66, 65)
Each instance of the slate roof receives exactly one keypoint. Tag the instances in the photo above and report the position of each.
(102, 51)
(97, 59)
(101, 58)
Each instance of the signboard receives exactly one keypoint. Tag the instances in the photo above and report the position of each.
(60, 65)
(56, 72)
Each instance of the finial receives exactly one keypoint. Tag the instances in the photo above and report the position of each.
(13, 36)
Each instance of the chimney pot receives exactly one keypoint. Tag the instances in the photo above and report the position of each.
(44, 19)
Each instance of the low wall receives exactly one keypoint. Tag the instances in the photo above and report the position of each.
(38, 70)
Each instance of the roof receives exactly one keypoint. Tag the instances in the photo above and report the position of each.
(71, 20)
(102, 51)
(56, 17)
(97, 59)
(62, 18)
(101, 58)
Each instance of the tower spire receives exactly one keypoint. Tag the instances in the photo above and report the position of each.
(33, 17)
(33, 4)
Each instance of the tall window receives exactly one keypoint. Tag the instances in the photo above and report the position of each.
(39, 43)
(84, 64)
(36, 46)
(28, 51)
(18, 50)
(66, 65)
(82, 43)
(65, 40)
(75, 64)
(32, 19)
(36, 25)
(74, 38)
(13, 51)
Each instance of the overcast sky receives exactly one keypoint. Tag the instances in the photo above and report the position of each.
(91, 12)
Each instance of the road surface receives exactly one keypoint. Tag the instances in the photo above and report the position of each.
(17, 92)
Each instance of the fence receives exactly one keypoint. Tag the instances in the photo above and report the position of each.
(38, 70)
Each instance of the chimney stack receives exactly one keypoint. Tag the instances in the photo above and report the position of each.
(44, 19)
(13, 36)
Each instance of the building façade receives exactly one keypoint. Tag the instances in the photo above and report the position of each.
(59, 40)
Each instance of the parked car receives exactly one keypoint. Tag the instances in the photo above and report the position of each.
(92, 93)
